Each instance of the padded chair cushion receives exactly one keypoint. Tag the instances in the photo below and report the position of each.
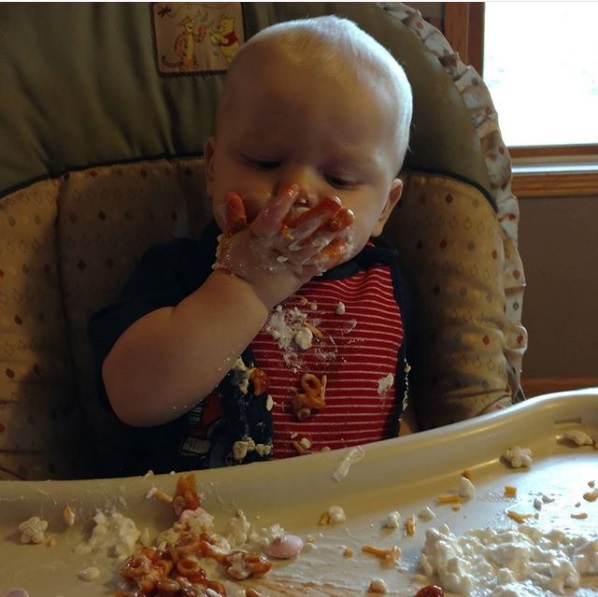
(452, 251)
(38, 405)
(108, 218)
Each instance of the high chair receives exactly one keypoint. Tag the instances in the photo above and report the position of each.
(104, 110)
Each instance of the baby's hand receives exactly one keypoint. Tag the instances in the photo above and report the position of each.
(278, 252)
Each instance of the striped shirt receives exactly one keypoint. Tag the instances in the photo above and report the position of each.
(350, 331)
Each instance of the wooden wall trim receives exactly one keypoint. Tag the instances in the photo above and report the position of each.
(558, 184)
(464, 30)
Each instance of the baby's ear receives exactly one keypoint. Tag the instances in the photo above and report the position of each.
(394, 195)
(208, 155)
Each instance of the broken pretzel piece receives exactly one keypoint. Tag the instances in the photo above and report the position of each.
(260, 380)
(312, 398)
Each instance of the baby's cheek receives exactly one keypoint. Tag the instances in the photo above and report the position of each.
(355, 239)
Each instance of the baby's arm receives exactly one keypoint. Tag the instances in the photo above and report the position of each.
(173, 356)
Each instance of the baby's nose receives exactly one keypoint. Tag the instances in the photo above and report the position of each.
(308, 179)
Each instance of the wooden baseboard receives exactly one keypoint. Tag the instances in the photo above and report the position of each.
(547, 385)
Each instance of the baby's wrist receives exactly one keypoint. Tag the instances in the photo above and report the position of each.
(266, 290)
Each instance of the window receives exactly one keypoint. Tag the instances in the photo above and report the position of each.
(538, 60)
(554, 66)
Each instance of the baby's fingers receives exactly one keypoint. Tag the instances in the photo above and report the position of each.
(270, 221)
(325, 233)
(308, 222)
(330, 255)
(235, 217)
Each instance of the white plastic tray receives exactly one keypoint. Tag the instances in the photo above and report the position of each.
(405, 475)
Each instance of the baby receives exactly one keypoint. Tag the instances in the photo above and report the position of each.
(273, 334)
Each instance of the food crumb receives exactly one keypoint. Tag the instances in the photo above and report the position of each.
(68, 515)
(518, 457)
(580, 515)
(466, 488)
(377, 585)
(579, 437)
(52, 541)
(154, 492)
(333, 515)
(284, 547)
(393, 520)
(410, 526)
(90, 573)
(510, 491)
(385, 383)
(427, 514)
(33, 529)
(518, 517)
(386, 555)
(449, 499)
(591, 496)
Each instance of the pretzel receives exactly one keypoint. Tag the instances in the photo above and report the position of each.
(312, 398)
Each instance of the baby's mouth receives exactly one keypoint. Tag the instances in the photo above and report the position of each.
(301, 205)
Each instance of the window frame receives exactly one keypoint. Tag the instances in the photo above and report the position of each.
(547, 171)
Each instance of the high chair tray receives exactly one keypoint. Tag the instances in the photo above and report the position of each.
(406, 475)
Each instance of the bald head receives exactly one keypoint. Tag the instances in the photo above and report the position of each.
(335, 49)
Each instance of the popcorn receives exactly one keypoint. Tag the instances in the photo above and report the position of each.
(518, 457)
(33, 529)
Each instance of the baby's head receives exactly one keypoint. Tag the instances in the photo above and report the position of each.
(319, 103)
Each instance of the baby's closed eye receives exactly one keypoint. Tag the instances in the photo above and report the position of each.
(341, 182)
(261, 163)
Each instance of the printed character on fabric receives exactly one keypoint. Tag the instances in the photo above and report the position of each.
(195, 37)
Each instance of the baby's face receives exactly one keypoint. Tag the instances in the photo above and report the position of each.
(323, 133)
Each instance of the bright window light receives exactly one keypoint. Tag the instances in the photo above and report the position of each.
(541, 66)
